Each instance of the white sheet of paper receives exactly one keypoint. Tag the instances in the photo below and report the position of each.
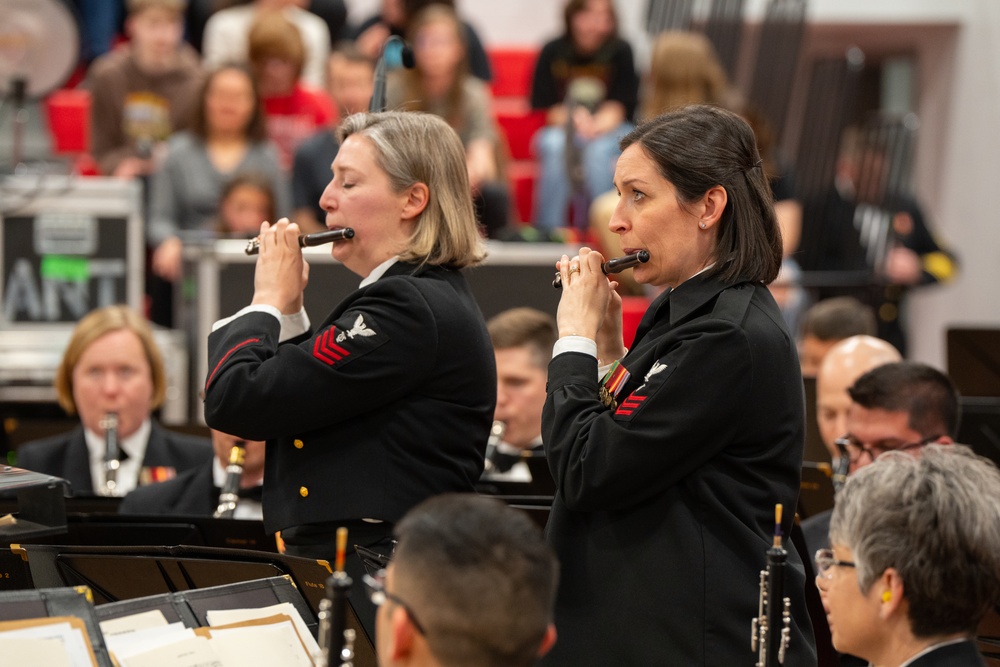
(24, 651)
(140, 641)
(74, 641)
(227, 616)
(276, 644)
(191, 652)
(153, 618)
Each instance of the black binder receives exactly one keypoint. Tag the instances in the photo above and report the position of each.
(43, 603)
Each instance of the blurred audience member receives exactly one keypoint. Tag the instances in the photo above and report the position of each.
(393, 19)
(827, 323)
(196, 492)
(845, 362)
(143, 91)
(915, 560)
(585, 80)
(228, 137)
(440, 84)
(294, 111)
(226, 38)
(113, 365)
(246, 201)
(350, 80)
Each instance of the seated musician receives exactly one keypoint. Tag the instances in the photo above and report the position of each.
(522, 342)
(196, 492)
(915, 559)
(472, 582)
(112, 366)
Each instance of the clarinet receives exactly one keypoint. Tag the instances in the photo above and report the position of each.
(112, 455)
(336, 640)
(496, 437)
(771, 630)
(230, 496)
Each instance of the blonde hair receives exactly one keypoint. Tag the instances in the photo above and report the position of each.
(96, 324)
(683, 70)
(415, 147)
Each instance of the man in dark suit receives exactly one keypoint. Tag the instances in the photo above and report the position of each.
(522, 343)
(112, 366)
(196, 492)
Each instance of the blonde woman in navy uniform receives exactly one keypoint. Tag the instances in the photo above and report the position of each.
(390, 399)
(668, 474)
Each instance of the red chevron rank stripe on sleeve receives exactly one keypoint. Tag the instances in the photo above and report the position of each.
(226, 356)
(328, 351)
(630, 405)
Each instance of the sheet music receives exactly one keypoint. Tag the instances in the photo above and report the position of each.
(228, 616)
(276, 644)
(24, 651)
(73, 641)
(133, 622)
(140, 641)
(190, 652)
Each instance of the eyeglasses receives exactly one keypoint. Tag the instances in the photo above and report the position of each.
(825, 561)
(854, 449)
(375, 586)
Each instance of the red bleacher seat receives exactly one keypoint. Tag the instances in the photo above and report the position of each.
(512, 71)
(519, 124)
(522, 176)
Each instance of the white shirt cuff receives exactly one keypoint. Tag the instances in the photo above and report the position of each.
(575, 344)
(292, 325)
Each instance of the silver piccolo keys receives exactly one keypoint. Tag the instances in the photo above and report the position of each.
(616, 265)
(307, 240)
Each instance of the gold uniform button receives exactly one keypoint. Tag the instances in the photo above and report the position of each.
(298, 443)
(303, 491)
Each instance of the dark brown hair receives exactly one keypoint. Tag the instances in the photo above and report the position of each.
(699, 147)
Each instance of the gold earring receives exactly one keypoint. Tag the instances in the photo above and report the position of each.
(886, 596)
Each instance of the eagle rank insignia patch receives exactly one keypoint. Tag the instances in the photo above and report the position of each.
(337, 343)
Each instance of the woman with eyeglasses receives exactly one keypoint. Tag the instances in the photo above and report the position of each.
(914, 563)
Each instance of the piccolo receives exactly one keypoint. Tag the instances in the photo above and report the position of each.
(616, 265)
(307, 240)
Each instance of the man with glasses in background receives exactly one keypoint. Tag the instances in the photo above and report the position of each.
(471, 582)
(899, 406)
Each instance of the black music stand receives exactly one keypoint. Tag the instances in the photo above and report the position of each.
(37, 500)
(125, 573)
(979, 427)
(974, 360)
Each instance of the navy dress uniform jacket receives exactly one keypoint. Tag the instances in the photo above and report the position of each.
(66, 455)
(961, 654)
(389, 402)
(665, 503)
(192, 493)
